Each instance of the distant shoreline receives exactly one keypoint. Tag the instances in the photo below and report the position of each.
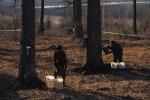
(105, 4)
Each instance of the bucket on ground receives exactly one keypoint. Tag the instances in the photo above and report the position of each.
(50, 81)
(58, 83)
(122, 65)
(115, 65)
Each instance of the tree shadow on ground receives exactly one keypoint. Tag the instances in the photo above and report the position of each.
(32, 84)
(132, 74)
(70, 94)
(124, 74)
(10, 85)
(9, 57)
(106, 68)
(5, 52)
(46, 48)
(8, 88)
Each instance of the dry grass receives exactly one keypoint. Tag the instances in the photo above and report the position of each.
(116, 85)
(9, 22)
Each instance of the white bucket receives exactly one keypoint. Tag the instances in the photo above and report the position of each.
(114, 65)
(59, 83)
(122, 65)
(50, 81)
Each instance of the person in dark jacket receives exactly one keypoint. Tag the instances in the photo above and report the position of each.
(117, 50)
(60, 62)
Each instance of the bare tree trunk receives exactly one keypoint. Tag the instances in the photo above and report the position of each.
(94, 42)
(42, 18)
(77, 11)
(134, 18)
(27, 59)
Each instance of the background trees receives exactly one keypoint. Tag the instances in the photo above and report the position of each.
(42, 18)
(134, 17)
(77, 9)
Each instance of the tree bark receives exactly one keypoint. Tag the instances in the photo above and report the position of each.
(77, 11)
(42, 18)
(27, 58)
(94, 42)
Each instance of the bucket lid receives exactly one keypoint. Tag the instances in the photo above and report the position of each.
(50, 77)
(60, 80)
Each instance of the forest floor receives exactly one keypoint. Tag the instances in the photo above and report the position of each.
(130, 84)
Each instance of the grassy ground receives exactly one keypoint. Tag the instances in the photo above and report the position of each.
(133, 83)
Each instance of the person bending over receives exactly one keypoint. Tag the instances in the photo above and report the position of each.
(117, 50)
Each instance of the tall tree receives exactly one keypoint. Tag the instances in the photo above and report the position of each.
(77, 11)
(27, 58)
(42, 18)
(134, 17)
(1, 4)
(94, 43)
